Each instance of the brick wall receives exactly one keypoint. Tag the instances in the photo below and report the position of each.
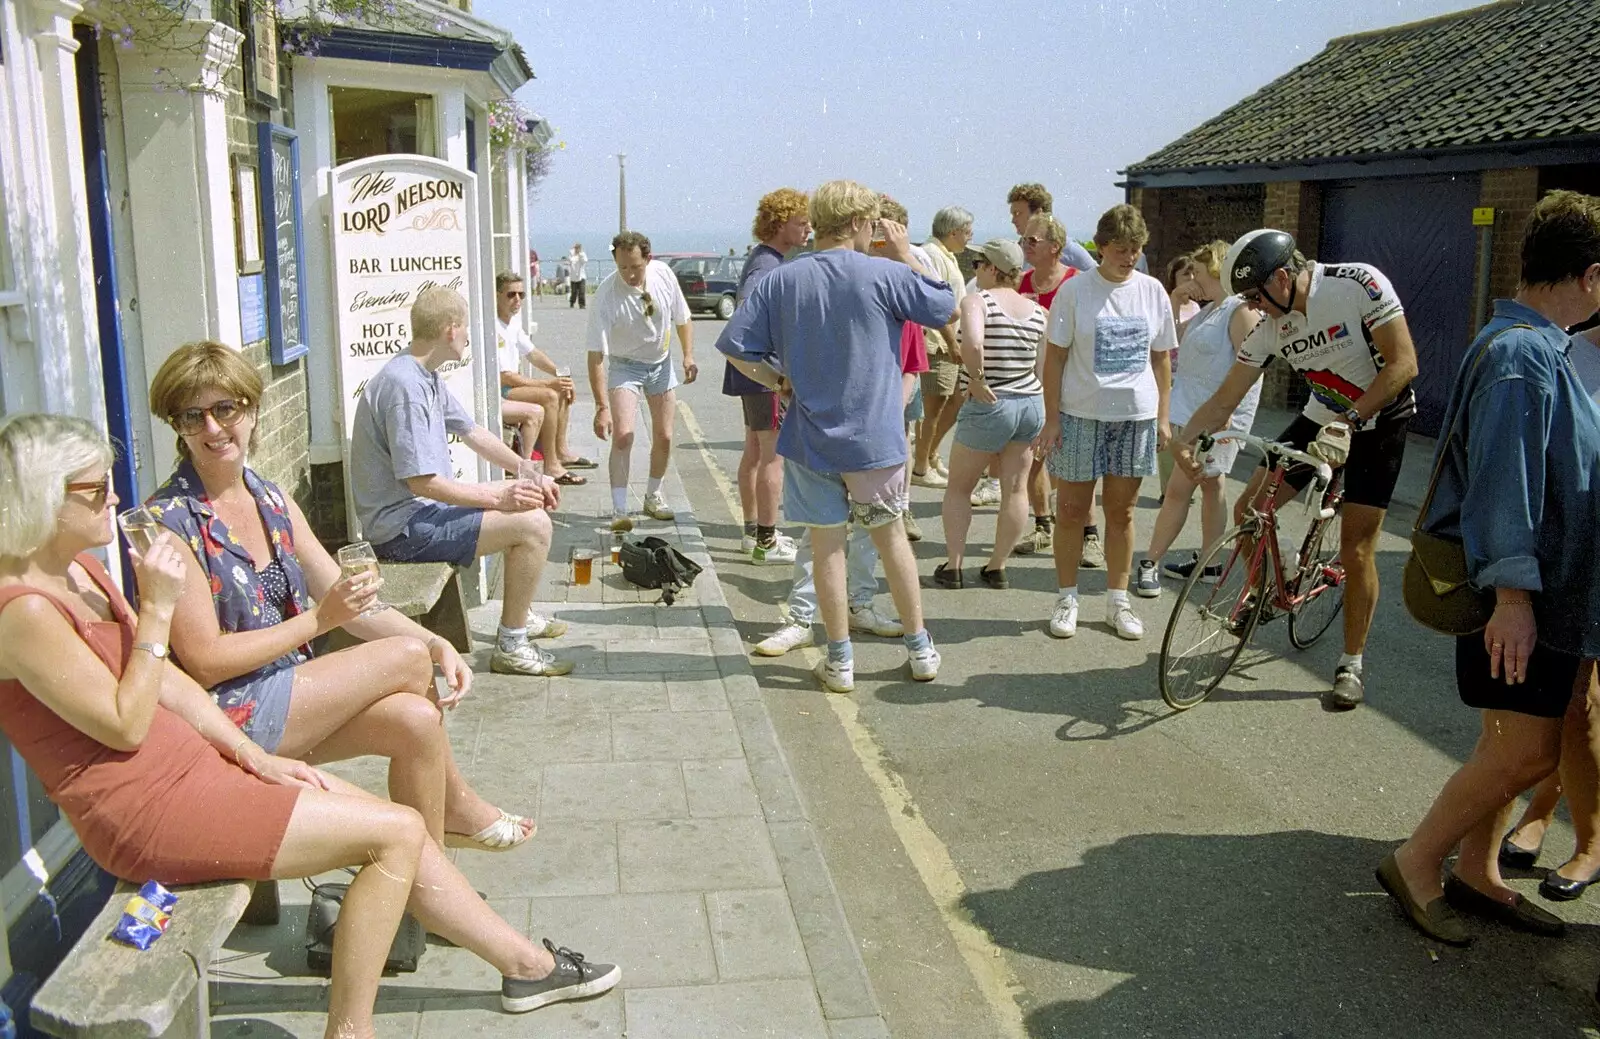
(1182, 218)
(1512, 193)
(1294, 206)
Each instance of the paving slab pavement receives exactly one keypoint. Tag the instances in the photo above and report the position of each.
(672, 839)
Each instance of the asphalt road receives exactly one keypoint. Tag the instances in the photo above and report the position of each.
(1035, 845)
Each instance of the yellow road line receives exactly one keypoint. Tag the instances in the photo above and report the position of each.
(927, 852)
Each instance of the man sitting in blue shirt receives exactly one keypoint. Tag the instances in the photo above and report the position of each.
(824, 330)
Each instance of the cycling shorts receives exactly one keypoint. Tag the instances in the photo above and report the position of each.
(1373, 467)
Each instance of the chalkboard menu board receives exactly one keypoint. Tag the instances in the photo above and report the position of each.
(285, 245)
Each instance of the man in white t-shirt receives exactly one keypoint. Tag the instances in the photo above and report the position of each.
(1107, 378)
(540, 408)
(577, 277)
(636, 310)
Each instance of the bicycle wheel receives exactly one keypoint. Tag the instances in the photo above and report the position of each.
(1210, 623)
(1321, 585)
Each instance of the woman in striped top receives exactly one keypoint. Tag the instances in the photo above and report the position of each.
(1002, 340)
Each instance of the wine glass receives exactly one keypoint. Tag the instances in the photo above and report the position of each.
(358, 558)
(139, 527)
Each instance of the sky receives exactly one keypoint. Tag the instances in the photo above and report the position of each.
(716, 102)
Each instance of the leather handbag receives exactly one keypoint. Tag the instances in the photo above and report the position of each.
(653, 563)
(326, 899)
(1435, 586)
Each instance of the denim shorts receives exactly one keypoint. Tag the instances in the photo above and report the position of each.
(1091, 449)
(642, 377)
(260, 707)
(436, 533)
(872, 498)
(988, 428)
(914, 407)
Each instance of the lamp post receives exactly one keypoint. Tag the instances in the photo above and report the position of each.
(622, 192)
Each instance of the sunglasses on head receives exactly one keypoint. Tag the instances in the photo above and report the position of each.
(227, 414)
(97, 490)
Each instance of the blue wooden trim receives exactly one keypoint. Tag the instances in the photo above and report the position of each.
(108, 310)
(404, 49)
(1571, 150)
(472, 144)
(266, 133)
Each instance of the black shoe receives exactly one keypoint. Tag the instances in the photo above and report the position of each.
(946, 578)
(1347, 688)
(1438, 919)
(1513, 856)
(1521, 916)
(1557, 888)
(993, 578)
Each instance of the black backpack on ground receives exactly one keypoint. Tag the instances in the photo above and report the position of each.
(653, 563)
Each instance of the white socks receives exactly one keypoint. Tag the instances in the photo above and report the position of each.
(1350, 660)
(1067, 593)
(619, 500)
(652, 485)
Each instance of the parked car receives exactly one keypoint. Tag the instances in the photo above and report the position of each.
(710, 282)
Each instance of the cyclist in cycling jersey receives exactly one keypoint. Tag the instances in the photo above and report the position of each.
(1342, 327)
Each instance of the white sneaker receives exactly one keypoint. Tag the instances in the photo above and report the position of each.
(655, 506)
(987, 492)
(1147, 580)
(1064, 621)
(790, 636)
(925, 664)
(932, 478)
(746, 543)
(782, 550)
(1094, 553)
(527, 659)
(867, 618)
(937, 464)
(540, 627)
(836, 678)
(1122, 620)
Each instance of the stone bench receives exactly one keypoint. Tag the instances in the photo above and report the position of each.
(107, 990)
(428, 593)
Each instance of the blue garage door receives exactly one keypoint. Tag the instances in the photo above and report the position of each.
(1418, 231)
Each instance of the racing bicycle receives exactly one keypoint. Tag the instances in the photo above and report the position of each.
(1250, 580)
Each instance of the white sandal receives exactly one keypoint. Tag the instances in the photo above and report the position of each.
(503, 834)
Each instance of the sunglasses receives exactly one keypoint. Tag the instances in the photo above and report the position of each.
(227, 414)
(649, 304)
(1033, 239)
(97, 490)
(1251, 298)
(514, 295)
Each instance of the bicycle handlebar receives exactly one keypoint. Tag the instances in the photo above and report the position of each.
(1324, 472)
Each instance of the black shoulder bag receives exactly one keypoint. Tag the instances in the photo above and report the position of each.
(323, 916)
(653, 563)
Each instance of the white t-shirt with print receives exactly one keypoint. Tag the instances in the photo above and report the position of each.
(1109, 330)
(512, 344)
(619, 325)
(1331, 343)
(578, 266)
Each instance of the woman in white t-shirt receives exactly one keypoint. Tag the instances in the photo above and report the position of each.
(1210, 342)
(1106, 380)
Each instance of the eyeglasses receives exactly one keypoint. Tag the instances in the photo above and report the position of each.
(227, 414)
(508, 294)
(1033, 239)
(649, 304)
(97, 490)
(1251, 298)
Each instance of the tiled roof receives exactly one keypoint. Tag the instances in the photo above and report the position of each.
(1518, 70)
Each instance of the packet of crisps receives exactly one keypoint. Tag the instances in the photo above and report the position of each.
(145, 917)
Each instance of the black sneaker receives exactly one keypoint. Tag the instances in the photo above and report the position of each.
(946, 578)
(1348, 688)
(1181, 571)
(573, 978)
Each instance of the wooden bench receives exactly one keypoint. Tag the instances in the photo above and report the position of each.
(428, 593)
(107, 990)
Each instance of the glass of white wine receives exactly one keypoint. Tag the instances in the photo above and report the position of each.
(358, 558)
(139, 527)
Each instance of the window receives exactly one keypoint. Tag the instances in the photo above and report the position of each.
(381, 122)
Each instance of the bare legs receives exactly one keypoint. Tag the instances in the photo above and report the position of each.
(624, 412)
(760, 477)
(375, 698)
(1175, 513)
(528, 418)
(348, 827)
(525, 539)
(1514, 751)
(899, 567)
(966, 467)
(938, 417)
(1360, 526)
(1577, 778)
(553, 434)
(1074, 501)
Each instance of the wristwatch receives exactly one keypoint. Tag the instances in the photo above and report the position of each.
(1353, 417)
(155, 649)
